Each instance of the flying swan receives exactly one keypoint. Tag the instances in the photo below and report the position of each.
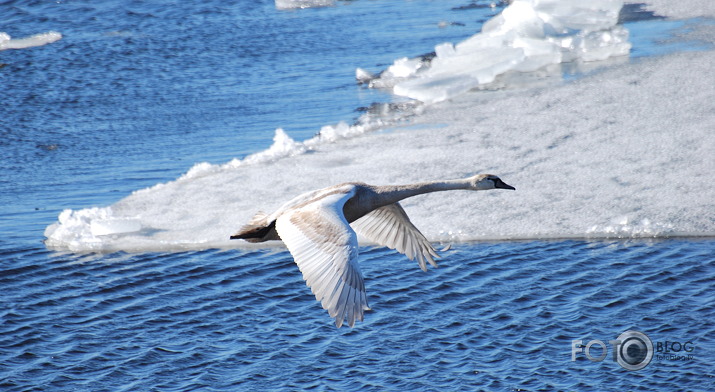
(319, 228)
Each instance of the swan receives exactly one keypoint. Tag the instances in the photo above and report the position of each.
(319, 229)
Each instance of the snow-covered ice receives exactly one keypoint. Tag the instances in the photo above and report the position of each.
(626, 152)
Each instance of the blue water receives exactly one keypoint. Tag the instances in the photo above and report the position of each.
(494, 316)
(135, 93)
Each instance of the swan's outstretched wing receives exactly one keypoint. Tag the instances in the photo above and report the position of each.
(326, 251)
(391, 227)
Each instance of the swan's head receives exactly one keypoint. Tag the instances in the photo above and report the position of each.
(483, 182)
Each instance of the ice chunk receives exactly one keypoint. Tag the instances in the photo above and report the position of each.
(564, 17)
(114, 226)
(479, 42)
(363, 76)
(292, 4)
(519, 18)
(538, 54)
(6, 42)
(283, 146)
(435, 88)
(600, 45)
(81, 230)
(459, 73)
(528, 35)
(445, 50)
(333, 133)
(404, 67)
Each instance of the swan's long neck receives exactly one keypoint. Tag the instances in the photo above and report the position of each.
(394, 193)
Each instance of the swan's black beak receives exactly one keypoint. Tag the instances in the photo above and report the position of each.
(499, 184)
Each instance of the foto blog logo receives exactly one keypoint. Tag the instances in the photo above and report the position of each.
(633, 350)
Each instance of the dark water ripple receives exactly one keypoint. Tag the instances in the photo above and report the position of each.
(494, 316)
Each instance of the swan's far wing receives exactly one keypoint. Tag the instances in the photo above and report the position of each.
(391, 227)
(326, 251)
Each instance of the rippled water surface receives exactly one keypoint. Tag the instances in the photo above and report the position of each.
(494, 316)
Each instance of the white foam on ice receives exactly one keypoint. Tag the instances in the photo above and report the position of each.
(7, 42)
(526, 36)
(626, 152)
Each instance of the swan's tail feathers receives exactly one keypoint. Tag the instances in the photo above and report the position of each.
(257, 230)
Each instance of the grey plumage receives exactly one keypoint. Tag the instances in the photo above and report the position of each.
(319, 228)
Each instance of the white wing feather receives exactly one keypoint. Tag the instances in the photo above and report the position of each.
(326, 251)
(391, 227)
